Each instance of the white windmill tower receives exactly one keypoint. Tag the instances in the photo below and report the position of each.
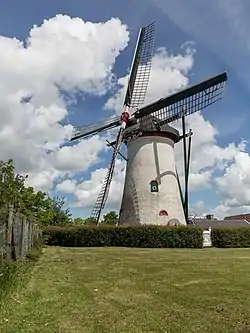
(151, 191)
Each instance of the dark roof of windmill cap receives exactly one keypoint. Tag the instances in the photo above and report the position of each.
(149, 125)
(170, 129)
(206, 223)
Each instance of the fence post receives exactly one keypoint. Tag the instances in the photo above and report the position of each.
(9, 233)
(23, 226)
(29, 234)
(3, 241)
(28, 238)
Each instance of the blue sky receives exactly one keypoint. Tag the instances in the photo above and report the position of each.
(218, 32)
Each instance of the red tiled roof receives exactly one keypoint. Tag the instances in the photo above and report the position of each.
(245, 216)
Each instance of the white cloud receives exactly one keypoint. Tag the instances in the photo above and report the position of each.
(86, 192)
(168, 74)
(206, 155)
(63, 53)
(234, 186)
(222, 210)
(43, 180)
(200, 180)
(115, 102)
(79, 157)
(198, 209)
(67, 186)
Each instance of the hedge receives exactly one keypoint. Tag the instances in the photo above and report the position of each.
(141, 237)
(230, 237)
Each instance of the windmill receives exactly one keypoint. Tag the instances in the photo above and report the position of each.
(152, 189)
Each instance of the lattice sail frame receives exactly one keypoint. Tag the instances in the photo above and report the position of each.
(186, 102)
(190, 105)
(141, 67)
(84, 131)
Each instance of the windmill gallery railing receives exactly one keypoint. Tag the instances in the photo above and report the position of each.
(17, 235)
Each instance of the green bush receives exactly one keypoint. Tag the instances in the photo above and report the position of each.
(143, 236)
(230, 237)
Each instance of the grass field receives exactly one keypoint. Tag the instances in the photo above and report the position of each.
(133, 290)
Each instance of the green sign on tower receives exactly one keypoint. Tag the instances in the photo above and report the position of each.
(154, 186)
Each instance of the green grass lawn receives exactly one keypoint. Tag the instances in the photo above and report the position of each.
(133, 290)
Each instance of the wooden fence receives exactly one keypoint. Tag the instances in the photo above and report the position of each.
(17, 235)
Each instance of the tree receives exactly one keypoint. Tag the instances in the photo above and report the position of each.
(36, 205)
(110, 218)
(33, 203)
(79, 221)
(11, 185)
(53, 213)
(90, 221)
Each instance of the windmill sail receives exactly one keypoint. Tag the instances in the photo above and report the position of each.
(141, 66)
(137, 85)
(103, 194)
(190, 100)
(84, 131)
(135, 95)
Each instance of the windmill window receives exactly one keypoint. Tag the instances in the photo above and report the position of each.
(163, 213)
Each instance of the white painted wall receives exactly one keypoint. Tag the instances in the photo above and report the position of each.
(207, 238)
(150, 158)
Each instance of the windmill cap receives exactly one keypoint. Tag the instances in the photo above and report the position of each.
(170, 129)
(166, 132)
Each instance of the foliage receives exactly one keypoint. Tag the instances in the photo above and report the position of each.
(145, 236)
(11, 186)
(52, 212)
(90, 221)
(78, 221)
(47, 210)
(36, 205)
(110, 218)
(230, 237)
